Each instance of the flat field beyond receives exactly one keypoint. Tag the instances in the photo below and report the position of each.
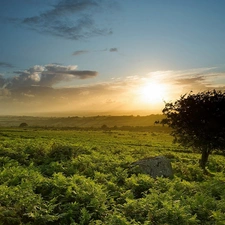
(66, 176)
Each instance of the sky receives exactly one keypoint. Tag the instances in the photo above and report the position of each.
(90, 57)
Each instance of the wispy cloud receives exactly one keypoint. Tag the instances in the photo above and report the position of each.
(198, 79)
(5, 64)
(184, 81)
(81, 52)
(199, 82)
(70, 19)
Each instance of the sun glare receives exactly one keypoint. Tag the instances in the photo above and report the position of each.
(152, 92)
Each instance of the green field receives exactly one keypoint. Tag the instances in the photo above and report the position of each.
(84, 122)
(71, 176)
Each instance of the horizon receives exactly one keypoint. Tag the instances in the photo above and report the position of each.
(84, 114)
(108, 57)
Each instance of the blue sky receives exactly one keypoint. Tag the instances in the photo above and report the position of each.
(92, 56)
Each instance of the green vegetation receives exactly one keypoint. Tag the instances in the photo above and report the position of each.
(81, 122)
(198, 121)
(65, 176)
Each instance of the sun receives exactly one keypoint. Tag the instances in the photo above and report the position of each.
(152, 92)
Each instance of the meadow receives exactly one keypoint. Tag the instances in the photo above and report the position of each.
(84, 176)
(81, 122)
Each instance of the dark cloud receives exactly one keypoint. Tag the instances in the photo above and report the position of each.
(55, 74)
(113, 50)
(7, 65)
(197, 83)
(70, 19)
(189, 81)
(84, 74)
(2, 81)
(68, 71)
(80, 52)
(48, 75)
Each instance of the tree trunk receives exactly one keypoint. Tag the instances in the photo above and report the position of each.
(204, 158)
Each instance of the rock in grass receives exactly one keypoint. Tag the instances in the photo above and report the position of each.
(158, 166)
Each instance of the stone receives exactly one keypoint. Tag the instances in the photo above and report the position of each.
(158, 166)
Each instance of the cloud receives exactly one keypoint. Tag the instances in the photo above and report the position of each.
(80, 52)
(2, 80)
(34, 90)
(55, 74)
(70, 19)
(25, 78)
(48, 75)
(198, 79)
(113, 50)
(7, 65)
(184, 81)
(190, 81)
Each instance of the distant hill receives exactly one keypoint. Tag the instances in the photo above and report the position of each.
(83, 122)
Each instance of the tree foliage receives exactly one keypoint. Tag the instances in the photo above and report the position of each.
(23, 125)
(198, 121)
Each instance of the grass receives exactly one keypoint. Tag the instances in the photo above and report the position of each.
(66, 176)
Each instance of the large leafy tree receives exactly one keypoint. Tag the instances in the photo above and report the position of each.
(198, 121)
